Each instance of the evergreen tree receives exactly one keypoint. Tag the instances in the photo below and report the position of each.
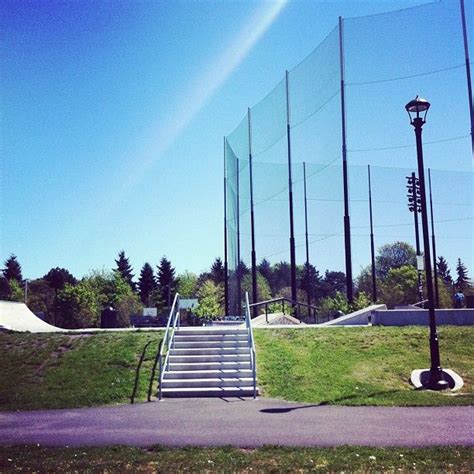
(462, 281)
(309, 281)
(265, 269)
(332, 283)
(58, 277)
(281, 277)
(167, 283)
(443, 271)
(125, 269)
(4, 289)
(12, 270)
(146, 284)
(241, 270)
(218, 271)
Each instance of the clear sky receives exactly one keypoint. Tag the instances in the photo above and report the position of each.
(113, 117)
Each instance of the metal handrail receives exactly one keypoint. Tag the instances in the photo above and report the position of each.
(282, 300)
(253, 361)
(168, 341)
(420, 303)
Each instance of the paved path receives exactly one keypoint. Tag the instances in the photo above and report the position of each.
(243, 423)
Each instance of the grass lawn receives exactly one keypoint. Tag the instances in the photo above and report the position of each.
(268, 459)
(360, 366)
(59, 371)
(345, 366)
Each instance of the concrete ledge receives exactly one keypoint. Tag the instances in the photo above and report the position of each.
(420, 317)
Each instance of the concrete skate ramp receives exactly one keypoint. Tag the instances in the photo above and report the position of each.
(362, 317)
(17, 317)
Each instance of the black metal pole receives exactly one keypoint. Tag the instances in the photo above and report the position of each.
(308, 290)
(347, 224)
(372, 245)
(468, 72)
(436, 381)
(226, 262)
(416, 210)
(433, 242)
(290, 196)
(238, 269)
(252, 220)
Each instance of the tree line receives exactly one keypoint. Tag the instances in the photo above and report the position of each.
(69, 302)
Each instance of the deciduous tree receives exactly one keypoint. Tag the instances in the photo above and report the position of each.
(210, 297)
(392, 256)
(187, 284)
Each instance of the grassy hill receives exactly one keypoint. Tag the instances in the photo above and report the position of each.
(59, 371)
(361, 366)
(345, 366)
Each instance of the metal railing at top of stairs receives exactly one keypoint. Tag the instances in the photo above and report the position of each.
(253, 361)
(420, 303)
(168, 341)
(312, 311)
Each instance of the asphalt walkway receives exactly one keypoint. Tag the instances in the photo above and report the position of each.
(241, 423)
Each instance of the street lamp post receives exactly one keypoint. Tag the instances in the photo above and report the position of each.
(417, 110)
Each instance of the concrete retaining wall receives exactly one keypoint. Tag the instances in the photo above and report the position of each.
(419, 317)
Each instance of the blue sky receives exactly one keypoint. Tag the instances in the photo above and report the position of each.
(114, 115)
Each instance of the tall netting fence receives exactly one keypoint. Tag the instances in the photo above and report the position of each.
(387, 59)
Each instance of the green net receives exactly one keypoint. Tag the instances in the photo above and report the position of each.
(388, 59)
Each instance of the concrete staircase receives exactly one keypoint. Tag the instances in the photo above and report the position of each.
(209, 362)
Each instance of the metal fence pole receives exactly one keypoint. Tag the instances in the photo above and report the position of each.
(347, 224)
(226, 263)
(372, 244)
(290, 194)
(468, 72)
(252, 219)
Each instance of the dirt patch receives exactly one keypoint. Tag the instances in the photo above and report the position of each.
(58, 353)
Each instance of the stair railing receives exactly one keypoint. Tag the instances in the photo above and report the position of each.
(313, 311)
(253, 361)
(168, 342)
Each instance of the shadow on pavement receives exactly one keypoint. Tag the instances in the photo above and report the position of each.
(325, 402)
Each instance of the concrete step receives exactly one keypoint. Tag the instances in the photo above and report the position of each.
(208, 382)
(194, 366)
(208, 392)
(210, 351)
(210, 332)
(207, 374)
(210, 337)
(183, 344)
(209, 358)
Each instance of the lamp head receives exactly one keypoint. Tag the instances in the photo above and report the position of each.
(417, 110)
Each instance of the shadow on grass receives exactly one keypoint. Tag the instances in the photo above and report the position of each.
(327, 402)
(137, 373)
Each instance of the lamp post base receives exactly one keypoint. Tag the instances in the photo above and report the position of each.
(447, 379)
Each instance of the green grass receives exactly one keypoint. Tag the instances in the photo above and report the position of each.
(343, 366)
(360, 366)
(227, 459)
(59, 371)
